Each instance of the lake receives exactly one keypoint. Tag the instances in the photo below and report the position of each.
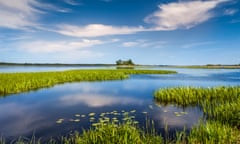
(38, 112)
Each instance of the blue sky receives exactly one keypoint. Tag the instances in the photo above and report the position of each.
(174, 32)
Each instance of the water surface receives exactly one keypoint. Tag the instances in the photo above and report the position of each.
(36, 112)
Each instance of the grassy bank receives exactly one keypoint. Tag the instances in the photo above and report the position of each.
(220, 106)
(11, 83)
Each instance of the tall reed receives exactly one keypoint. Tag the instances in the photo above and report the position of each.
(221, 106)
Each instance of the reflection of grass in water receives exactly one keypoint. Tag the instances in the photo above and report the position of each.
(11, 83)
(221, 106)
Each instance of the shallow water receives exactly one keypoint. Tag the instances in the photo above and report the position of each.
(36, 112)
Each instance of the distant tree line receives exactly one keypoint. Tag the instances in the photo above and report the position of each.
(126, 62)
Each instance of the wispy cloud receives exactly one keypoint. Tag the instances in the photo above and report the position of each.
(23, 14)
(235, 21)
(58, 46)
(144, 44)
(106, 0)
(230, 11)
(72, 2)
(130, 44)
(95, 30)
(196, 44)
(61, 51)
(182, 14)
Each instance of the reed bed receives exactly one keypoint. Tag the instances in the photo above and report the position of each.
(213, 132)
(11, 83)
(221, 106)
(218, 103)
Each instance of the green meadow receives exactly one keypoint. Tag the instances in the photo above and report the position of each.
(11, 83)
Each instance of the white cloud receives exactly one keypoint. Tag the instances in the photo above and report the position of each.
(62, 51)
(58, 46)
(230, 11)
(144, 44)
(72, 2)
(96, 30)
(182, 14)
(130, 44)
(115, 40)
(17, 14)
(176, 15)
(23, 14)
(190, 45)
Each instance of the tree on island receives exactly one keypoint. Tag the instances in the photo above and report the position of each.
(122, 62)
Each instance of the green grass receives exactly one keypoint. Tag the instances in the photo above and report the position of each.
(213, 132)
(11, 83)
(221, 106)
(112, 132)
(219, 103)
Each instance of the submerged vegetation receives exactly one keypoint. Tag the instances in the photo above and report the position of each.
(220, 106)
(11, 83)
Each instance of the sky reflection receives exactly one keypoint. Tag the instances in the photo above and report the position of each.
(98, 100)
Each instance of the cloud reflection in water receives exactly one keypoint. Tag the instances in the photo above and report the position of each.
(98, 100)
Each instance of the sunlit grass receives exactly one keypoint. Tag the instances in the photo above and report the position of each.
(221, 106)
(11, 83)
(219, 103)
(111, 130)
(213, 132)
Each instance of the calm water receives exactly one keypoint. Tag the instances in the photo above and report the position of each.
(36, 112)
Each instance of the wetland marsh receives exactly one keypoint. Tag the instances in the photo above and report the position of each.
(63, 109)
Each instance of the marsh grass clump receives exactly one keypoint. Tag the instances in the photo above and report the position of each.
(219, 103)
(213, 132)
(221, 106)
(112, 131)
(11, 83)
